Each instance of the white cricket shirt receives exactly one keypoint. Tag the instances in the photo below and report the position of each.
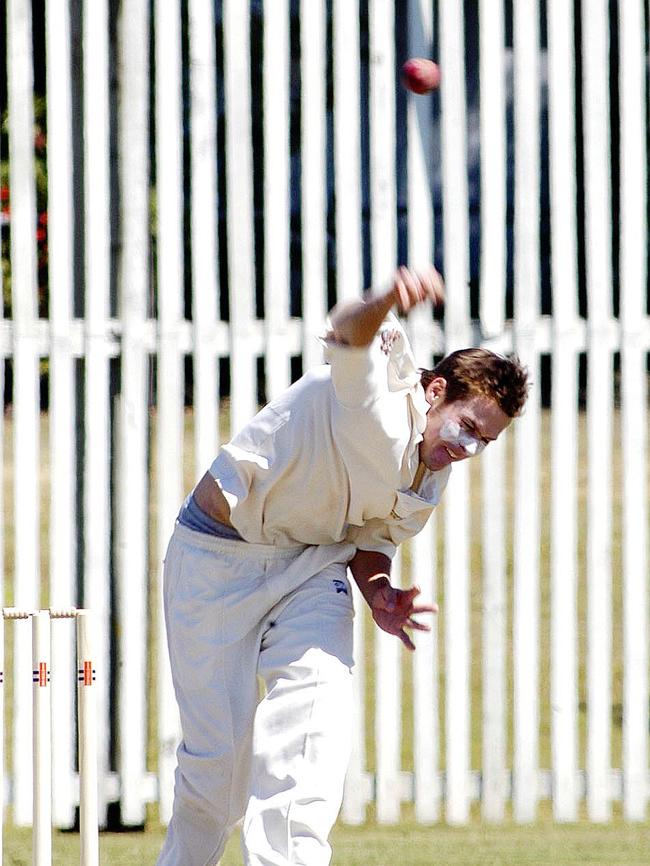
(334, 457)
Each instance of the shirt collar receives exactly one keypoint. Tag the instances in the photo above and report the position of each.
(420, 408)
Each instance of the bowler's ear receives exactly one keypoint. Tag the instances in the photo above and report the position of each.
(436, 390)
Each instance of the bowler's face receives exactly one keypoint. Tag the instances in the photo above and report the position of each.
(456, 431)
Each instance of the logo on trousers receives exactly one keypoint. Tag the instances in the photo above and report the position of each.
(340, 586)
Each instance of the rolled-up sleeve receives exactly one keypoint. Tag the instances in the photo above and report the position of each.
(358, 373)
(362, 374)
(408, 517)
(384, 536)
(374, 536)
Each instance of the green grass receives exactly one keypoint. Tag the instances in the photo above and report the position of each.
(543, 843)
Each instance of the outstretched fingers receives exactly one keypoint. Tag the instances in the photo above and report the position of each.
(417, 625)
(394, 611)
(409, 597)
(425, 608)
(406, 640)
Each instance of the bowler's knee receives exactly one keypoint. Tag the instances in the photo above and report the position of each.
(205, 793)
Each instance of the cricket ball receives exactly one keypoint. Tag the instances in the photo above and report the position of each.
(420, 75)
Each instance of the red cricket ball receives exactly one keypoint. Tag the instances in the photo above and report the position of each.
(420, 75)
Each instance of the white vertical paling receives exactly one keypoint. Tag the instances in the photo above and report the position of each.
(492, 310)
(25, 379)
(388, 708)
(63, 509)
(204, 216)
(634, 435)
(600, 335)
(383, 243)
(423, 547)
(169, 379)
(420, 214)
(494, 644)
(277, 77)
(239, 193)
(313, 67)
(454, 176)
(41, 739)
(492, 60)
(457, 333)
(564, 426)
(132, 429)
(420, 148)
(97, 445)
(527, 518)
(383, 197)
(347, 148)
(87, 739)
(427, 787)
(358, 791)
(347, 186)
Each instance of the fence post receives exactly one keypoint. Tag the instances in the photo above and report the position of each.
(456, 256)
(26, 426)
(527, 308)
(600, 396)
(240, 218)
(132, 416)
(62, 414)
(634, 437)
(204, 209)
(564, 420)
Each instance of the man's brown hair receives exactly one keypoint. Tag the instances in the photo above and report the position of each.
(473, 372)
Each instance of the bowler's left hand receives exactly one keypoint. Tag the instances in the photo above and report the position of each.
(393, 611)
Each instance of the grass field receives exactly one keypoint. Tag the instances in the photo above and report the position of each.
(543, 843)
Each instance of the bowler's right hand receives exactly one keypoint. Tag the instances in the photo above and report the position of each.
(411, 287)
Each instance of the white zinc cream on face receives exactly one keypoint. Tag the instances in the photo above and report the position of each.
(453, 434)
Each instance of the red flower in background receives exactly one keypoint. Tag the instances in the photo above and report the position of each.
(4, 205)
(41, 239)
(41, 231)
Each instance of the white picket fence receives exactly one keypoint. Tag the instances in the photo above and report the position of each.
(566, 676)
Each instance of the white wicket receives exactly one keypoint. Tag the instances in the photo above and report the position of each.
(42, 733)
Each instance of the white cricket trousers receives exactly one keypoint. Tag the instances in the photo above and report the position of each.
(235, 611)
